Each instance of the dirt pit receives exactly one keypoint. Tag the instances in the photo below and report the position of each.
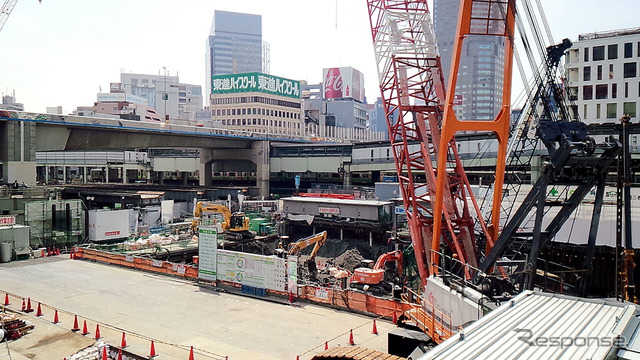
(346, 254)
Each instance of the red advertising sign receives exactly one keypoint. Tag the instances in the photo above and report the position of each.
(343, 82)
(111, 233)
(458, 99)
(7, 220)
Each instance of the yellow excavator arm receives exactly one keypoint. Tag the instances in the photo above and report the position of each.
(317, 239)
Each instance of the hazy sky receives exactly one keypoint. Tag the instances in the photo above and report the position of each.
(61, 52)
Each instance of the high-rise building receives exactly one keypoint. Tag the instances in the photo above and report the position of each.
(603, 76)
(235, 45)
(480, 75)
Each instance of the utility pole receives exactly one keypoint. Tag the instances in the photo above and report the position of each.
(165, 96)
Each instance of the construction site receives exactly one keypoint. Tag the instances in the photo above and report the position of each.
(537, 262)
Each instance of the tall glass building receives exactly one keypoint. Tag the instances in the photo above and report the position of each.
(479, 86)
(235, 45)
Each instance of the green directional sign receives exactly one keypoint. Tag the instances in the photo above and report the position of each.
(255, 82)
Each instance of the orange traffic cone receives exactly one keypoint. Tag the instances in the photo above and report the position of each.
(290, 297)
(351, 342)
(395, 318)
(55, 317)
(84, 328)
(375, 328)
(24, 306)
(119, 354)
(191, 354)
(326, 345)
(123, 343)
(104, 353)
(75, 324)
(297, 357)
(97, 332)
(71, 254)
(6, 300)
(152, 352)
(29, 308)
(39, 312)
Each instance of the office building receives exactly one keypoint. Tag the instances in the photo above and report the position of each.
(235, 45)
(257, 103)
(603, 77)
(480, 75)
(164, 93)
(343, 94)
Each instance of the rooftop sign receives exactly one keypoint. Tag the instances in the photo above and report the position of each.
(249, 82)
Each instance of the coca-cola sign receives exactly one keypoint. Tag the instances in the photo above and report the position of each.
(343, 82)
(333, 84)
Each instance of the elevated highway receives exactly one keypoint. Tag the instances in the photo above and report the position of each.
(24, 133)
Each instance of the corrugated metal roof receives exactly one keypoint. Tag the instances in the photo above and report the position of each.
(541, 326)
(337, 201)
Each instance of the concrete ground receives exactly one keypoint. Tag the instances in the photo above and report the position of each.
(174, 313)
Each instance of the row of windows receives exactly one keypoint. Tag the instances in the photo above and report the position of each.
(628, 108)
(629, 70)
(257, 111)
(253, 99)
(265, 122)
(602, 91)
(598, 52)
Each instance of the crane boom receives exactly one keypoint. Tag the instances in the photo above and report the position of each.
(413, 93)
(7, 7)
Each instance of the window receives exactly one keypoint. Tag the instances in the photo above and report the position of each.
(586, 54)
(602, 91)
(612, 51)
(584, 112)
(629, 108)
(598, 111)
(233, 111)
(599, 72)
(598, 53)
(629, 70)
(587, 92)
(586, 73)
(614, 91)
(626, 89)
(611, 111)
(610, 71)
(628, 50)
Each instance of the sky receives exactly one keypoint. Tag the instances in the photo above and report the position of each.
(62, 52)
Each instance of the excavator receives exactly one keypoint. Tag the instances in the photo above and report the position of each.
(235, 225)
(318, 241)
(378, 280)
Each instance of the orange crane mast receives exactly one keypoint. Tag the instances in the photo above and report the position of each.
(443, 207)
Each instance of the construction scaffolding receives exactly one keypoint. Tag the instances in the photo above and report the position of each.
(55, 223)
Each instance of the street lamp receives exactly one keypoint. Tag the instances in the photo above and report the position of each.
(165, 96)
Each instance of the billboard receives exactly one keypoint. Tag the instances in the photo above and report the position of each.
(116, 87)
(265, 272)
(249, 82)
(121, 97)
(343, 82)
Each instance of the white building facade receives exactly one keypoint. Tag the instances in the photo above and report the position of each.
(602, 71)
